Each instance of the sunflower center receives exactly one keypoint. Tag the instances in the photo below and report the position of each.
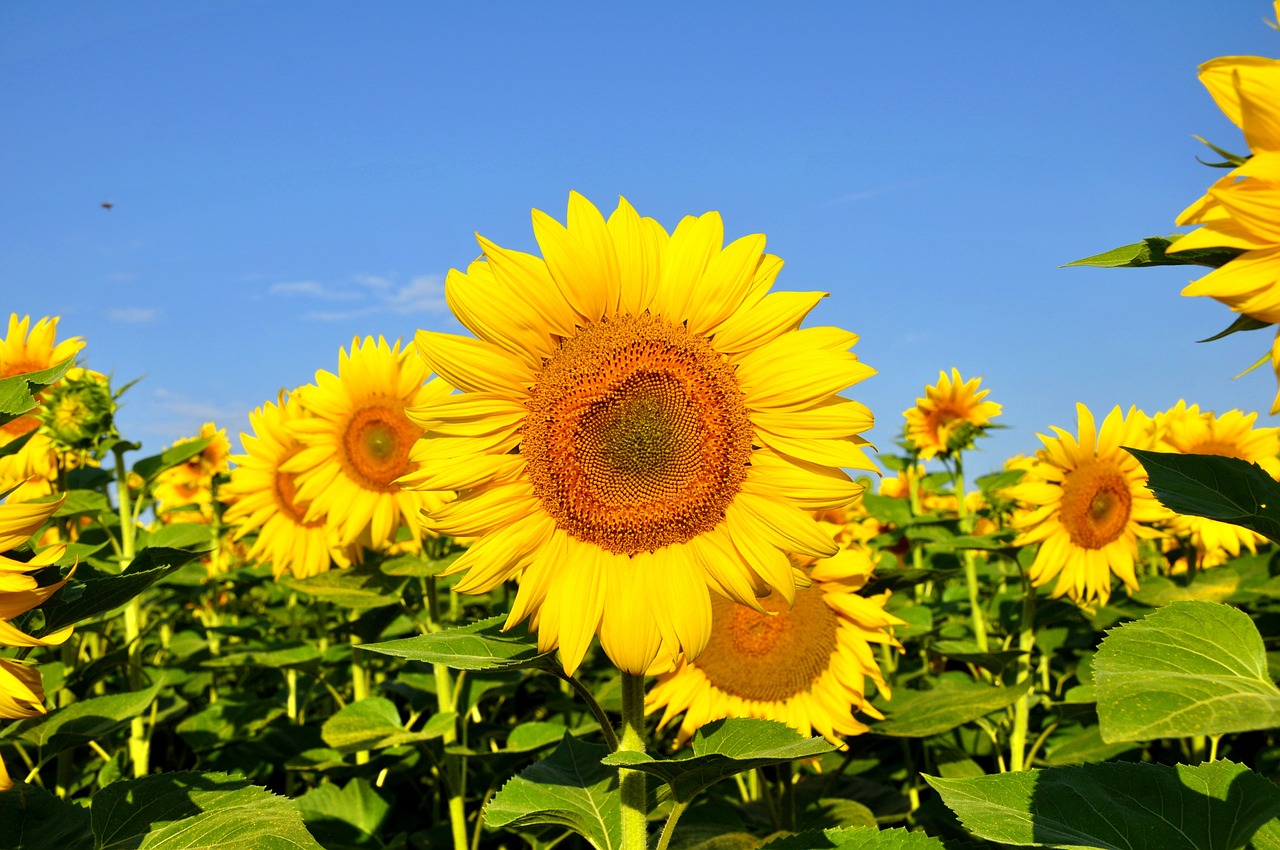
(637, 436)
(769, 657)
(1095, 504)
(375, 446)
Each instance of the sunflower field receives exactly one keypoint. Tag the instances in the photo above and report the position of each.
(620, 569)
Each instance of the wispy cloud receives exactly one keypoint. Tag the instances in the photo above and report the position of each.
(133, 315)
(368, 294)
(875, 192)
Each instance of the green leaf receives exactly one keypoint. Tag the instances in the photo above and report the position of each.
(195, 811)
(1191, 668)
(568, 788)
(919, 714)
(18, 392)
(721, 749)
(180, 535)
(481, 645)
(986, 542)
(280, 658)
(1227, 489)
(1152, 251)
(1242, 323)
(83, 721)
(1117, 806)
(968, 652)
(151, 467)
(80, 600)
(1216, 585)
(374, 723)
(34, 819)
(417, 566)
(346, 817)
(84, 502)
(1080, 745)
(349, 588)
(860, 838)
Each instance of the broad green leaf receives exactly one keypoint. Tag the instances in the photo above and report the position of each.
(969, 653)
(858, 838)
(18, 392)
(151, 467)
(34, 819)
(1152, 252)
(721, 749)
(568, 788)
(195, 811)
(481, 645)
(374, 723)
(84, 502)
(1216, 585)
(986, 542)
(344, 588)
(1117, 806)
(835, 813)
(1079, 745)
(919, 714)
(1191, 668)
(226, 721)
(1223, 488)
(418, 566)
(180, 535)
(349, 816)
(83, 721)
(80, 600)
(281, 657)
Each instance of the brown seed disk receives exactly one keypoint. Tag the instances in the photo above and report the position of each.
(1095, 503)
(769, 657)
(376, 444)
(637, 436)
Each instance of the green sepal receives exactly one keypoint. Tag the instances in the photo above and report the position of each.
(1153, 251)
(1242, 323)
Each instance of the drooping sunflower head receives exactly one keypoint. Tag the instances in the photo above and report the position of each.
(1087, 504)
(640, 420)
(264, 498)
(78, 412)
(1187, 430)
(805, 664)
(950, 416)
(357, 443)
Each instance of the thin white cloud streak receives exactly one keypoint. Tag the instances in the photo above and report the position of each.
(376, 294)
(133, 315)
(875, 192)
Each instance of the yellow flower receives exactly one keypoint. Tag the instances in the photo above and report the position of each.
(21, 692)
(949, 417)
(641, 422)
(265, 498)
(804, 664)
(28, 348)
(1089, 497)
(357, 442)
(1242, 210)
(1188, 431)
(190, 483)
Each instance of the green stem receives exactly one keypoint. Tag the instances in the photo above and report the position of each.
(139, 741)
(635, 830)
(677, 809)
(970, 567)
(610, 737)
(359, 677)
(1022, 708)
(455, 767)
(1213, 747)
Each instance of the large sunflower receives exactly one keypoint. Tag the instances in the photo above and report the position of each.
(265, 499)
(1189, 431)
(357, 442)
(21, 693)
(641, 421)
(1090, 498)
(949, 416)
(804, 664)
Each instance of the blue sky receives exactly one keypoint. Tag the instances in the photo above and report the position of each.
(285, 175)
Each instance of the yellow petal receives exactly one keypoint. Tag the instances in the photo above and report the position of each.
(473, 365)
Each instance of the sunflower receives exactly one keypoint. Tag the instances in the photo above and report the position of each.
(357, 441)
(31, 349)
(265, 499)
(640, 422)
(804, 663)
(949, 417)
(1187, 430)
(1089, 497)
(21, 693)
(184, 493)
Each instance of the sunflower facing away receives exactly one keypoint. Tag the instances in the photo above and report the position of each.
(805, 664)
(1089, 497)
(356, 444)
(641, 421)
(1189, 431)
(21, 692)
(265, 498)
(949, 417)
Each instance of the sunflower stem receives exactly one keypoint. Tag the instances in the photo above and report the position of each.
(359, 677)
(139, 742)
(970, 566)
(455, 767)
(677, 809)
(631, 783)
(1022, 708)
